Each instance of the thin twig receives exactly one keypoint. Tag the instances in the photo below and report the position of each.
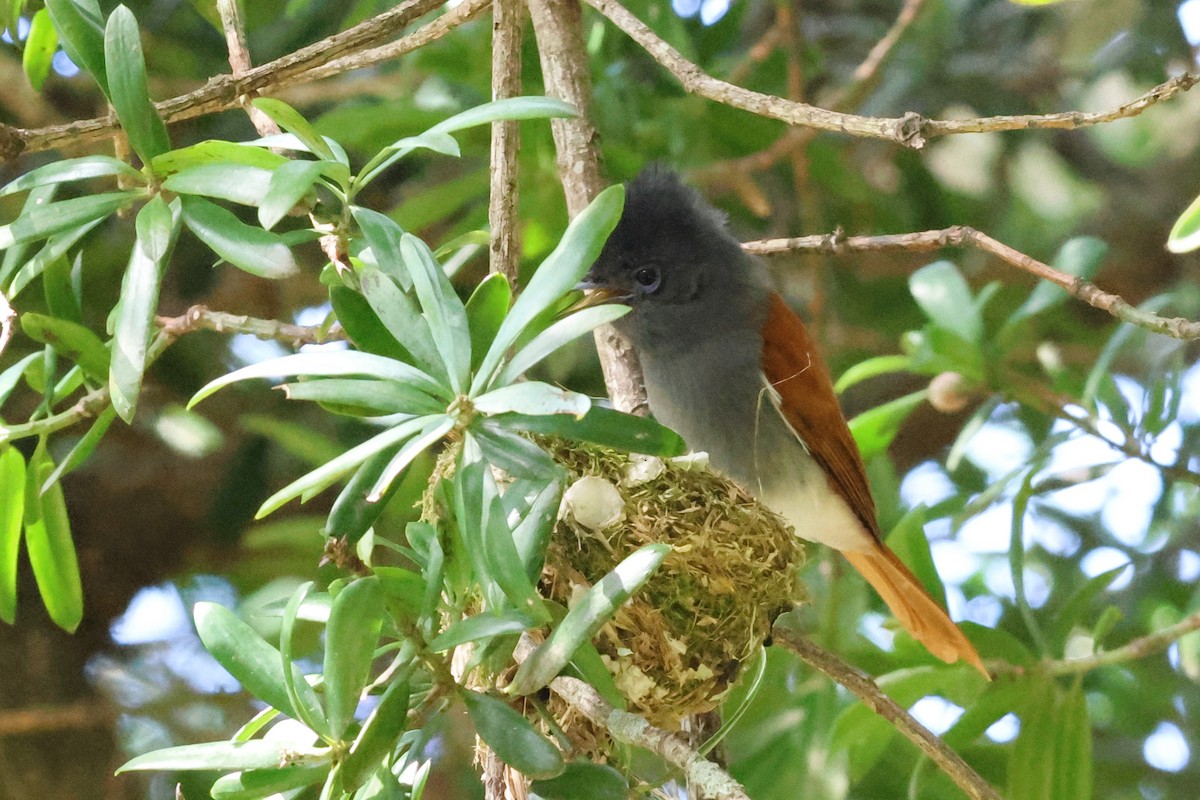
(1141, 647)
(910, 130)
(962, 236)
(873, 698)
(239, 60)
(567, 75)
(508, 17)
(200, 318)
(226, 91)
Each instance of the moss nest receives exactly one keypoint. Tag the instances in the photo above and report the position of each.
(677, 646)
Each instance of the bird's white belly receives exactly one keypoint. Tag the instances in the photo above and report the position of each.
(815, 510)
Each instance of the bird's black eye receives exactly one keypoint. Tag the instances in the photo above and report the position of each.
(648, 278)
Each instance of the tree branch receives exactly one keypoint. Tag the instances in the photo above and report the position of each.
(227, 91)
(1139, 648)
(873, 697)
(566, 73)
(508, 17)
(961, 236)
(239, 60)
(910, 130)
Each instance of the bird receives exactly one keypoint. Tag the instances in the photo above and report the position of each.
(732, 369)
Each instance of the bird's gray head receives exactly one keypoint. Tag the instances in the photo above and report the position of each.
(673, 261)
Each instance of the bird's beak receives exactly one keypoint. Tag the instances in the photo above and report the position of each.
(596, 294)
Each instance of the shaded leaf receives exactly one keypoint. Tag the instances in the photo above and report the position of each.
(481, 626)
(441, 307)
(350, 640)
(80, 25)
(399, 314)
(83, 448)
(378, 736)
(602, 426)
(945, 297)
(583, 780)
(371, 397)
(49, 545)
(69, 339)
(249, 248)
(127, 87)
(261, 783)
(512, 737)
(560, 333)
(485, 312)
(12, 513)
(436, 427)
(289, 184)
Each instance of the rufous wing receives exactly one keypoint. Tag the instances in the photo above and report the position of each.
(806, 400)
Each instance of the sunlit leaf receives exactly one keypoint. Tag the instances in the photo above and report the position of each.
(945, 297)
(80, 24)
(255, 754)
(289, 184)
(481, 626)
(70, 339)
(216, 152)
(237, 183)
(294, 123)
(533, 397)
(12, 513)
(589, 613)
(49, 545)
(350, 640)
(40, 45)
(249, 248)
(560, 333)
(441, 307)
(436, 427)
(872, 367)
(399, 314)
(44, 220)
(1185, 233)
(875, 428)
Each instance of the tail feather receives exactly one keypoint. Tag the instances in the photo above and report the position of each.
(919, 613)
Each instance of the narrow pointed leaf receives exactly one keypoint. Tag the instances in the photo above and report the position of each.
(40, 45)
(440, 304)
(399, 314)
(288, 186)
(512, 737)
(128, 90)
(215, 151)
(880, 365)
(363, 326)
(504, 562)
(83, 448)
(44, 220)
(533, 397)
(384, 235)
(591, 612)
(326, 365)
(11, 376)
(529, 107)
(15, 254)
(515, 454)
(80, 26)
(294, 123)
(558, 274)
(560, 333)
(532, 533)
(55, 248)
(254, 754)
(350, 641)
(237, 183)
(353, 514)
(875, 428)
(157, 227)
(1185, 233)
(602, 426)
(481, 626)
(378, 736)
(261, 783)
(435, 429)
(486, 310)
(301, 694)
(376, 397)
(12, 512)
(49, 545)
(248, 248)
(69, 339)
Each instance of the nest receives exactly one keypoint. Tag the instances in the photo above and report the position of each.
(676, 647)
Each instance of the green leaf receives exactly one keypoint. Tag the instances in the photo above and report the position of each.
(252, 249)
(350, 640)
(291, 121)
(405, 591)
(49, 545)
(875, 428)
(15, 254)
(372, 397)
(324, 476)
(289, 184)
(481, 626)
(509, 108)
(514, 454)
(602, 426)
(1080, 602)
(237, 183)
(500, 552)
(297, 439)
(52, 251)
(363, 325)
(50, 218)
(383, 236)
(486, 309)
(1185, 233)
(560, 333)
(128, 90)
(583, 780)
(81, 27)
(83, 448)
(326, 365)
(72, 169)
(11, 376)
(256, 665)
(399, 314)
(1052, 756)
(558, 274)
(254, 754)
(352, 514)
(1081, 257)
(512, 737)
(445, 312)
(533, 397)
(590, 612)
(378, 736)
(216, 152)
(880, 365)
(40, 46)
(69, 339)
(157, 229)
(532, 533)
(436, 427)
(945, 297)
(260, 783)
(12, 512)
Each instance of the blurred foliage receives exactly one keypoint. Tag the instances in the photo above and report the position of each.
(1055, 480)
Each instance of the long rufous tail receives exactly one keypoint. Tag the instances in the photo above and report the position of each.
(919, 613)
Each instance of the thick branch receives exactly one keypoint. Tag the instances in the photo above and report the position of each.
(865, 689)
(226, 91)
(962, 236)
(565, 71)
(910, 130)
(508, 17)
